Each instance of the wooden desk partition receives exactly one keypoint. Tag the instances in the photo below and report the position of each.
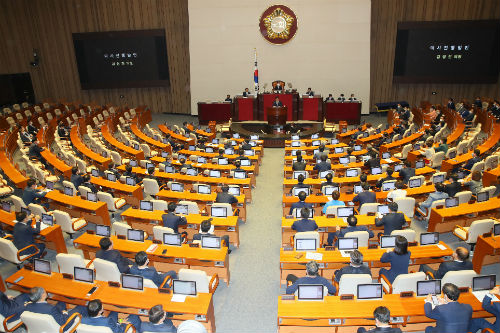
(97, 160)
(131, 194)
(108, 136)
(486, 252)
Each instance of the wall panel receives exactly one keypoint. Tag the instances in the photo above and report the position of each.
(47, 25)
(386, 14)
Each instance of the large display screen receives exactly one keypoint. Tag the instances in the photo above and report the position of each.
(447, 52)
(121, 59)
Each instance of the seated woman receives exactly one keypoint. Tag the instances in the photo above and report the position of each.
(399, 259)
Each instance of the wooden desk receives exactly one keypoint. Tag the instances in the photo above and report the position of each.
(52, 236)
(115, 299)
(97, 160)
(400, 143)
(338, 167)
(445, 219)
(146, 220)
(8, 144)
(333, 260)
(212, 261)
(131, 194)
(46, 136)
(95, 212)
(486, 252)
(177, 137)
(346, 137)
(157, 144)
(106, 134)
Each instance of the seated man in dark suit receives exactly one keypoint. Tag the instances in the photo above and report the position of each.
(309, 92)
(356, 266)
(237, 165)
(304, 224)
(475, 158)
(278, 87)
(277, 102)
(329, 181)
(225, 196)
(245, 145)
(491, 307)
(366, 196)
(352, 221)
(450, 316)
(206, 229)
(341, 98)
(12, 305)
(392, 221)
(323, 165)
(352, 98)
(301, 204)
(96, 317)
(299, 165)
(32, 129)
(311, 277)
(76, 178)
(382, 317)
(108, 253)
(141, 268)
(228, 99)
(31, 194)
(246, 92)
(24, 235)
(460, 262)
(454, 186)
(300, 184)
(170, 220)
(158, 322)
(321, 152)
(389, 177)
(373, 162)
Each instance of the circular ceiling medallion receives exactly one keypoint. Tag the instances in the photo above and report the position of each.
(278, 24)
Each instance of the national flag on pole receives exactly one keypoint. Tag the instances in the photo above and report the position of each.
(256, 74)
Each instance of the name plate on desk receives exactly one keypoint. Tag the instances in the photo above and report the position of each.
(397, 320)
(288, 297)
(231, 228)
(219, 264)
(191, 226)
(321, 229)
(335, 321)
(179, 260)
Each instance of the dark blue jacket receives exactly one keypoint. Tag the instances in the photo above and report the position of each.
(471, 162)
(166, 327)
(453, 317)
(343, 231)
(391, 222)
(24, 235)
(365, 197)
(311, 280)
(77, 180)
(299, 205)
(29, 195)
(481, 323)
(322, 166)
(448, 266)
(110, 321)
(399, 264)
(304, 225)
(45, 308)
(116, 257)
(406, 174)
(226, 198)
(352, 270)
(148, 273)
(170, 220)
(9, 306)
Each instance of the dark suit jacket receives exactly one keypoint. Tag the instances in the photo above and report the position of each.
(24, 235)
(494, 309)
(399, 264)
(35, 151)
(29, 195)
(365, 197)
(471, 162)
(246, 146)
(372, 163)
(166, 327)
(77, 180)
(380, 330)
(304, 225)
(322, 166)
(406, 174)
(299, 166)
(25, 137)
(9, 306)
(352, 270)
(453, 188)
(299, 205)
(45, 308)
(391, 221)
(448, 266)
(341, 233)
(116, 257)
(110, 321)
(173, 221)
(277, 104)
(453, 317)
(226, 198)
(245, 94)
(32, 129)
(148, 273)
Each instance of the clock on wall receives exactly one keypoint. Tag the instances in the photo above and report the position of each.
(278, 24)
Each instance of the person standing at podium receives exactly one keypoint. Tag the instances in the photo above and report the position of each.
(246, 93)
(277, 103)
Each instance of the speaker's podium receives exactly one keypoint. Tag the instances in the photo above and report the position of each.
(276, 116)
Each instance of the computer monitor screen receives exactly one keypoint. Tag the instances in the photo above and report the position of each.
(111, 177)
(229, 151)
(316, 143)
(50, 185)
(388, 186)
(366, 134)
(365, 158)
(345, 211)
(387, 241)
(130, 181)
(181, 209)
(245, 162)
(177, 187)
(339, 150)
(132, 163)
(308, 292)
(297, 190)
(296, 174)
(323, 174)
(240, 174)
(483, 196)
(415, 182)
(104, 154)
(376, 171)
(383, 209)
(149, 165)
(210, 242)
(218, 212)
(334, 141)
(295, 137)
(184, 287)
(419, 164)
(191, 172)
(344, 160)
(234, 190)
(84, 274)
(204, 189)
(103, 230)
(496, 229)
(451, 202)
(172, 239)
(315, 136)
(438, 179)
(68, 190)
(135, 235)
(328, 190)
(352, 173)
(91, 196)
(348, 243)
(164, 154)
(192, 148)
(305, 244)
(222, 161)
(295, 143)
(298, 213)
(209, 150)
(202, 160)
(146, 205)
(47, 219)
(386, 155)
(215, 141)
(486, 282)
(254, 137)
(429, 287)
(369, 291)
(236, 135)
(398, 167)
(249, 152)
(134, 282)
(42, 266)
(428, 238)
(357, 148)
(357, 189)
(214, 173)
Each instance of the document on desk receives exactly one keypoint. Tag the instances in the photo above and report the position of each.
(179, 298)
(480, 295)
(441, 247)
(314, 256)
(152, 248)
(388, 160)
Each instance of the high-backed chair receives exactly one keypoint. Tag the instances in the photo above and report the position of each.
(9, 252)
(70, 184)
(106, 270)
(406, 205)
(68, 224)
(459, 278)
(307, 235)
(348, 284)
(362, 237)
(45, 323)
(37, 210)
(67, 262)
(151, 186)
(120, 228)
(192, 206)
(476, 229)
(84, 190)
(113, 204)
(158, 232)
(409, 234)
(368, 208)
(332, 210)
(463, 196)
(204, 283)
(404, 153)
(159, 204)
(403, 282)
(18, 203)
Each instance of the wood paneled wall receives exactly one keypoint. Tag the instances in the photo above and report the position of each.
(47, 25)
(386, 14)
